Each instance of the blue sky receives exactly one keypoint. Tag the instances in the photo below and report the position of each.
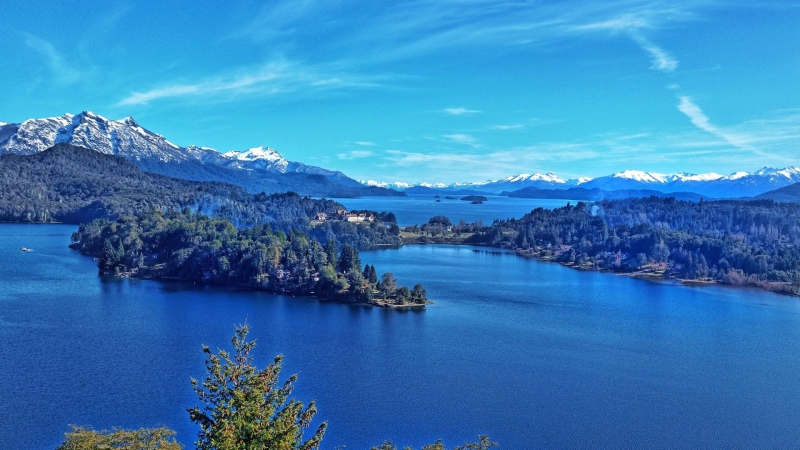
(437, 91)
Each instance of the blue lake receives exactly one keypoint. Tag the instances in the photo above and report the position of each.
(534, 354)
(417, 209)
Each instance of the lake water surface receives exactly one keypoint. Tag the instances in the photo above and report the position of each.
(534, 354)
(417, 209)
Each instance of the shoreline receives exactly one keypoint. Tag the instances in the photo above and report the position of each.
(780, 288)
(378, 304)
(771, 286)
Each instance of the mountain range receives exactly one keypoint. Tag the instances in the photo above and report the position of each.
(262, 169)
(710, 185)
(258, 169)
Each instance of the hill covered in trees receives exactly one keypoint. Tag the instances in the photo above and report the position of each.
(753, 243)
(76, 185)
(193, 247)
(790, 194)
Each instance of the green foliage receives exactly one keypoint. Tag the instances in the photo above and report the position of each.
(246, 408)
(193, 247)
(242, 408)
(755, 243)
(80, 438)
(76, 185)
(483, 443)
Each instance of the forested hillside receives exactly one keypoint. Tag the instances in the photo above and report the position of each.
(73, 184)
(76, 185)
(742, 243)
(789, 193)
(193, 247)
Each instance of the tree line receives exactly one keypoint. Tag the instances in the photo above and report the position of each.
(76, 185)
(753, 243)
(194, 247)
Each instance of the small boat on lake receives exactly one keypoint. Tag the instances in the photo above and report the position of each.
(25, 249)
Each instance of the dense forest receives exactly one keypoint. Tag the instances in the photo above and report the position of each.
(754, 243)
(76, 185)
(190, 246)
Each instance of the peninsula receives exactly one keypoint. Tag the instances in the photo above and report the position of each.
(737, 243)
(192, 247)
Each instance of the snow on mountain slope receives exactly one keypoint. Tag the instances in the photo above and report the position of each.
(33, 135)
(511, 183)
(548, 177)
(263, 158)
(128, 139)
(251, 169)
(391, 185)
(714, 185)
(641, 177)
(122, 138)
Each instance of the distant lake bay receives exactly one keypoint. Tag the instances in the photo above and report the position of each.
(417, 209)
(534, 354)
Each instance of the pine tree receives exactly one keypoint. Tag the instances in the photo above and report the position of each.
(373, 275)
(331, 252)
(109, 259)
(246, 408)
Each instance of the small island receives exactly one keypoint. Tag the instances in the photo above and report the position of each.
(191, 247)
(475, 199)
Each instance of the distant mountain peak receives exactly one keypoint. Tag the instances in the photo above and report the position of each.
(788, 172)
(89, 115)
(641, 176)
(129, 121)
(255, 153)
(711, 184)
(258, 168)
(548, 177)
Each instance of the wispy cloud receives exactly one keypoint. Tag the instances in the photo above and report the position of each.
(701, 121)
(460, 111)
(461, 139)
(633, 25)
(405, 30)
(763, 142)
(354, 154)
(460, 166)
(365, 143)
(422, 27)
(62, 71)
(515, 126)
(270, 79)
(661, 60)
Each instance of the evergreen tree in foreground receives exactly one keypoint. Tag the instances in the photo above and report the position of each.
(143, 439)
(246, 408)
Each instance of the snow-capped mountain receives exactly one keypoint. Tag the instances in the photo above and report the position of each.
(385, 184)
(737, 184)
(113, 137)
(514, 182)
(255, 169)
(713, 185)
(547, 180)
(257, 158)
